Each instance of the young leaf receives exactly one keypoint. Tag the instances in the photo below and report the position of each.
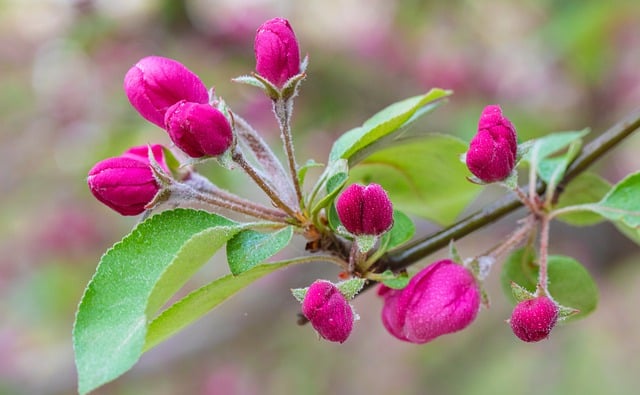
(111, 321)
(548, 145)
(199, 302)
(350, 288)
(422, 177)
(249, 248)
(569, 282)
(299, 293)
(382, 124)
(330, 183)
(402, 231)
(395, 281)
(586, 188)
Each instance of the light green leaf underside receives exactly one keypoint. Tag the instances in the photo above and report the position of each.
(422, 176)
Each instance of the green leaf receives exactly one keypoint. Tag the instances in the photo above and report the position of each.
(402, 231)
(332, 218)
(302, 171)
(423, 177)
(622, 203)
(111, 321)
(570, 284)
(201, 301)
(395, 281)
(548, 145)
(586, 188)
(632, 233)
(249, 247)
(329, 184)
(382, 124)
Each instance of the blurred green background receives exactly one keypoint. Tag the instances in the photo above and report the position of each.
(552, 65)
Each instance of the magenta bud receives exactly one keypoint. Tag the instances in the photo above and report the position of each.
(125, 183)
(277, 53)
(442, 298)
(198, 129)
(328, 311)
(492, 152)
(365, 210)
(155, 83)
(533, 319)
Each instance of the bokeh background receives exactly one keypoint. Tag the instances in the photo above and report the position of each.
(552, 65)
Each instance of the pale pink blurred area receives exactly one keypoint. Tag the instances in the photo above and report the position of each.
(552, 66)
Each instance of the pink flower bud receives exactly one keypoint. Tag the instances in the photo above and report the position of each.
(365, 210)
(155, 83)
(492, 152)
(328, 311)
(198, 129)
(125, 183)
(442, 298)
(532, 320)
(277, 53)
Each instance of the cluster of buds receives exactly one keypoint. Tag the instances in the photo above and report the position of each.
(442, 298)
(169, 95)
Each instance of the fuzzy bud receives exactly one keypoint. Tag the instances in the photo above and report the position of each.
(155, 83)
(328, 311)
(492, 152)
(125, 183)
(533, 319)
(277, 53)
(442, 298)
(365, 210)
(198, 129)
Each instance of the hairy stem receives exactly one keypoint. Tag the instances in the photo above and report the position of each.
(543, 278)
(418, 249)
(282, 109)
(263, 184)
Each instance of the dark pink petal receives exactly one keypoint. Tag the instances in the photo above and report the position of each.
(532, 320)
(276, 50)
(125, 183)
(492, 152)
(365, 210)
(198, 129)
(442, 298)
(155, 83)
(328, 311)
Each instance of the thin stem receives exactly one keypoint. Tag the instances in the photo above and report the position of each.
(413, 252)
(263, 154)
(262, 213)
(515, 239)
(263, 184)
(206, 187)
(543, 279)
(282, 109)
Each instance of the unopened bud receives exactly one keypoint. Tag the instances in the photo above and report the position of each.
(440, 299)
(277, 53)
(198, 129)
(155, 83)
(125, 183)
(365, 210)
(533, 319)
(328, 311)
(492, 152)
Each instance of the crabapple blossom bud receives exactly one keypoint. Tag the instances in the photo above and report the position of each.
(492, 151)
(442, 298)
(533, 319)
(198, 129)
(155, 83)
(125, 183)
(277, 53)
(365, 210)
(328, 311)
